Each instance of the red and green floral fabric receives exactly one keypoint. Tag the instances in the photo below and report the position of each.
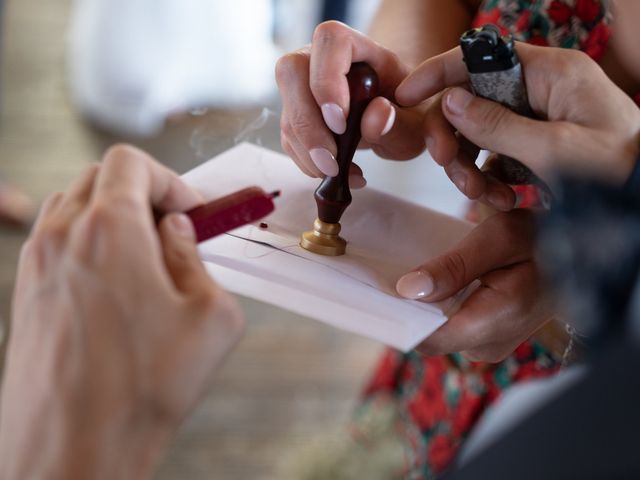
(437, 401)
(579, 24)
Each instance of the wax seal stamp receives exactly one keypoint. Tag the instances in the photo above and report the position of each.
(333, 196)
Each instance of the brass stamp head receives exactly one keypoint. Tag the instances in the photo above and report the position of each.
(324, 239)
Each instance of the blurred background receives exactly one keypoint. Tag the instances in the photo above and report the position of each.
(185, 81)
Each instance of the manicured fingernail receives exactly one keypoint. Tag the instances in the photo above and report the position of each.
(390, 121)
(500, 200)
(460, 181)
(181, 224)
(324, 161)
(458, 100)
(334, 118)
(415, 285)
(357, 181)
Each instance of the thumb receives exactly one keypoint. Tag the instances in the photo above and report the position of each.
(502, 240)
(496, 128)
(181, 257)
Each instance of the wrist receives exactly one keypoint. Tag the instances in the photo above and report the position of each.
(75, 445)
(130, 451)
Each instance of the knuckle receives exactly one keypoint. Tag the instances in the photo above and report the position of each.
(122, 155)
(327, 31)
(285, 128)
(100, 217)
(491, 120)
(571, 67)
(302, 127)
(223, 308)
(453, 264)
(561, 138)
(289, 66)
(574, 62)
(50, 236)
(52, 200)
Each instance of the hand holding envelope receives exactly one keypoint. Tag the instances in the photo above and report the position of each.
(388, 237)
(507, 307)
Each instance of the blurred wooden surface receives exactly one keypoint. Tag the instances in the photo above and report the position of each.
(290, 379)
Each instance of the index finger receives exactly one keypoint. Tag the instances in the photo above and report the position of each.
(431, 77)
(132, 177)
(449, 70)
(334, 48)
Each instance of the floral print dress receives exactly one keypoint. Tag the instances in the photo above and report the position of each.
(437, 400)
(579, 24)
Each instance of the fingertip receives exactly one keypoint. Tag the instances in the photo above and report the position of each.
(415, 285)
(357, 182)
(354, 169)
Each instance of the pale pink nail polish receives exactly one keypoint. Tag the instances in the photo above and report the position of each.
(334, 118)
(326, 162)
(415, 285)
(390, 121)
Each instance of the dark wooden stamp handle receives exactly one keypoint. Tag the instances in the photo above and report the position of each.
(333, 196)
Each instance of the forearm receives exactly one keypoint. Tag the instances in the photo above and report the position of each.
(419, 29)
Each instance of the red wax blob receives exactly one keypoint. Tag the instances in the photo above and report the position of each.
(233, 211)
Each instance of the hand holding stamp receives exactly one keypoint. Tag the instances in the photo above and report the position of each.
(333, 196)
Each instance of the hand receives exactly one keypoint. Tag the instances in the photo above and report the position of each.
(508, 306)
(116, 327)
(315, 97)
(588, 123)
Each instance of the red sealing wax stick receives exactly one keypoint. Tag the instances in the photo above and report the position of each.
(233, 211)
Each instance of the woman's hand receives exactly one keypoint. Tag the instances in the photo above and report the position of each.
(587, 123)
(116, 326)
(508, 306)
(315, 97)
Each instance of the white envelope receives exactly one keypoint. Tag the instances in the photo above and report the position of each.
(386, 236)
